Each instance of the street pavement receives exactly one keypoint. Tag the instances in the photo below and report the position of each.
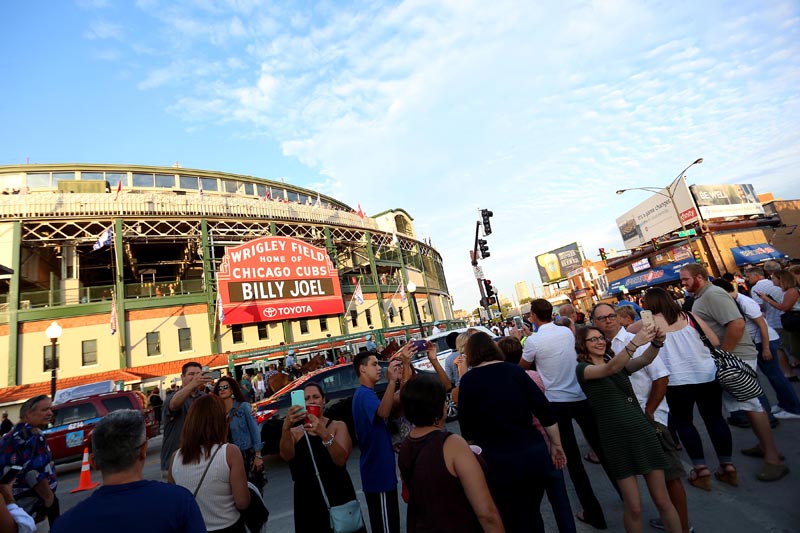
(752, 507)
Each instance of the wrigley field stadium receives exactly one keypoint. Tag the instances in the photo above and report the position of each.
(144, 268)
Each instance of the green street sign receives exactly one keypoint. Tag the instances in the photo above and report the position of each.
(687, 233)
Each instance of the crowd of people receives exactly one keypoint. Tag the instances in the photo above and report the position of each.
(630, 383)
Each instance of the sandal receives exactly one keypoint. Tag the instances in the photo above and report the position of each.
(770, 472)
(727, 474)
(700, 477)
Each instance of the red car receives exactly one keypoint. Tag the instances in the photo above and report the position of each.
(73, 421)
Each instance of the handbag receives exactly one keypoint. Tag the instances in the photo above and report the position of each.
(345, 518)
(256, 515)
(733, 374)
(790, 320)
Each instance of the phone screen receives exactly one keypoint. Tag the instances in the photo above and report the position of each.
(9, 476)
(299, 398)
(421, 345)
(647, 318)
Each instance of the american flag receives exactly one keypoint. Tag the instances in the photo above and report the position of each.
(360, 212)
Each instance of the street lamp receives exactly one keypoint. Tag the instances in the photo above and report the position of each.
(671, 188)
(53, 333)
(412, 287)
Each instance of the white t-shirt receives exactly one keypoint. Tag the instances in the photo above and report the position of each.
(751, 312)
(643, 379)
(771, 314)
(552, 348)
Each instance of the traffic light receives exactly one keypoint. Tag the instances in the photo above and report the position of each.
(654, 241)
(484, 248)
(603, 255)
(697, 257)
(487, 226)
(487, 286)
(492, 300)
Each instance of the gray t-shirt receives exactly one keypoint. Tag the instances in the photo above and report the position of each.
(172, 425)
(717, 308)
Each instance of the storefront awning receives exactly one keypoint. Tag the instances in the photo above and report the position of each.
(654, 276)
(755, 253)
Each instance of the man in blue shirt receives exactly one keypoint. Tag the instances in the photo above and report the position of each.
(119, 446)
(378, 477)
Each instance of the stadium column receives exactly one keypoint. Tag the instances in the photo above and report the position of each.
(427, 291)
(404, 272)
(374, 272)
(208, 275)
(13, 304)
(332, 253)
(119, 289)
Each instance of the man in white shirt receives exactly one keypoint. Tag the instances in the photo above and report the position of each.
(552, 349)
(650, 386)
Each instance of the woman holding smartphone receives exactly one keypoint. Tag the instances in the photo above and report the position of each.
(243, 430)
(627, 436)
(329, 441)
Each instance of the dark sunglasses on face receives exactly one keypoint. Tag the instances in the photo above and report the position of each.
(606, 318)
(224, 387)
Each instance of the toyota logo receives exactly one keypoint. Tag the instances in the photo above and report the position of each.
(270, 312)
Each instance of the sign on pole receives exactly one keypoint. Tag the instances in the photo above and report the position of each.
(478, 272)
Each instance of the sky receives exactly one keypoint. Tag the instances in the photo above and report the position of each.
(538, 111)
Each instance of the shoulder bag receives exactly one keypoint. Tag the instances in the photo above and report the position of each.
(345, 518)
(733, 374)
(790, 320)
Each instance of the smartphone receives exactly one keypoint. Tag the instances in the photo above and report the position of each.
(647, 318)
(8, 477)
(421, 345)
(299, 398)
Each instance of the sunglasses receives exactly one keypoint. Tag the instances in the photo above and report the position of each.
(596, 339)
(224, 387)
(606, 318)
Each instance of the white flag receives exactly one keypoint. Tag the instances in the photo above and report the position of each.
(113, 321)
(402, 292)
(104, 240)
(358, 295)
(318, 203)
(220, 309)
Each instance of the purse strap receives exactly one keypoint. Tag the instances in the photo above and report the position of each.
(699, 328)
(194, 494)
(316, 471)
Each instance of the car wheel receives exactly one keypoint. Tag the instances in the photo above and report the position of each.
(452, 410)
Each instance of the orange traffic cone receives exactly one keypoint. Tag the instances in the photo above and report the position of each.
(85, 482)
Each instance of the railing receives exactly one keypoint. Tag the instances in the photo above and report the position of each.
(59, 297)
(44, 205)
(163, 289)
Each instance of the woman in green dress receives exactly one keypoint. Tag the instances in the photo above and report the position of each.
(627, 436)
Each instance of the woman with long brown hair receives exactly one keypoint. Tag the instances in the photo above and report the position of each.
(217, 480)
(788, 304)
(629, 440)
(243, 428)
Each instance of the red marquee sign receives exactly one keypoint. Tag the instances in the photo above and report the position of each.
(277, 278)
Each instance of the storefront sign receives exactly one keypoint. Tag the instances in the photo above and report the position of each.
(554, 266)
(640, 265)
(656, 216)
(277, 278)
(726, 200)
(650, 278)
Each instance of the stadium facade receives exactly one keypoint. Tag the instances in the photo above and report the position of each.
(136, 249)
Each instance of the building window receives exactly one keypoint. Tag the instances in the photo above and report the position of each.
(165, 181)
(209, 184)
(143, 180)
(248, 189)
(402, 318)
(354, 318)
(47, 358)
(368, 314)
(89, 352)
(303, 326)
(263, 331)
(237, 334)
(323, 323)
(189, 182)
(185, 339)
(154, 343)
(38, 181)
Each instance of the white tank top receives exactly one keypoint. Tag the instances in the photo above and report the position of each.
(687, 358)
(215, 497)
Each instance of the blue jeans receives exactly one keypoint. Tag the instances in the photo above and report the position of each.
(787, 398)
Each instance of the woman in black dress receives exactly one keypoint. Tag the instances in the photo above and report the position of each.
(331, 445)
(496, 405)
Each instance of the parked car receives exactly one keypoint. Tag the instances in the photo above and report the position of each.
(339, 383)
(420, 360)
(74, 420)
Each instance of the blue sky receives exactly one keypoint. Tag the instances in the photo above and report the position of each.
(536, 110)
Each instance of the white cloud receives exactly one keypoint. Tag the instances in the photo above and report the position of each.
(101, 29)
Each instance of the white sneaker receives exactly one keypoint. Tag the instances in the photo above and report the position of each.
(776, 409)
(786, 415)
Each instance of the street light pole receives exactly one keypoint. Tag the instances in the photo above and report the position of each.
(412, 287)
(53, 332)
(671, 189)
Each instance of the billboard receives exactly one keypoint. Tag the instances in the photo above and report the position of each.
(554, 265)
(277, 278)
(656, 216)
(726, 200)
